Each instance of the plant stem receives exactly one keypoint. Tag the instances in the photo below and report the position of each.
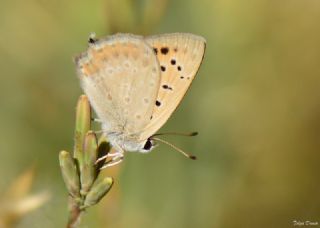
(75, 214)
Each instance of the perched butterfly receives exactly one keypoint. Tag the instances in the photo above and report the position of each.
(135, 83)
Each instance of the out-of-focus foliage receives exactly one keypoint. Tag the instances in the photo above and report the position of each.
(255, 102)
(17, 201)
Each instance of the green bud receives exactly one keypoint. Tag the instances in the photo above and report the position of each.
(83, 121)
(69, 173)
(98, 191)
(88, 168)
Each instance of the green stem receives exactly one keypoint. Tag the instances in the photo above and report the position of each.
(75, 214)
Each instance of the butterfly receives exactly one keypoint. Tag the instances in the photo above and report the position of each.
(135, 83)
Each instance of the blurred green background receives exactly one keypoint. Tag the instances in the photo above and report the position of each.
(255, 102)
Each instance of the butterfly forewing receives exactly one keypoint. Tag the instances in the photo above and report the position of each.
(121, 77)
(179, 56)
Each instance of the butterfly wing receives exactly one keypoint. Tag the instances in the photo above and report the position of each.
(179, 56)
(121, 76)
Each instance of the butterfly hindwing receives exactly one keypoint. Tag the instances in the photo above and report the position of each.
(179, 56)
(121, 77)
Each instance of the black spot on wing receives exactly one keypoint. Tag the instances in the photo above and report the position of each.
(167, 87)
(158, 103)
(164, 50)
(155, 50)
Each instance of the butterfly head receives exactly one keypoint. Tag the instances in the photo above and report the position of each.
(131, 144)
(144, 146)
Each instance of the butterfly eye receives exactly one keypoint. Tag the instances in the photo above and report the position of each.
(147, 145)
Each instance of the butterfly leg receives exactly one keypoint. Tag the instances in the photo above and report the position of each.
(96, 120)
(109, 155)
(113, 161)
(117, 157)
(116, 154)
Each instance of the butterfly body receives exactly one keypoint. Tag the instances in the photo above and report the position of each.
(135, 83)
(127, 143)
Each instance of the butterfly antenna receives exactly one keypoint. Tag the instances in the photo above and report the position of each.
(178, 133)
(176, 148)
